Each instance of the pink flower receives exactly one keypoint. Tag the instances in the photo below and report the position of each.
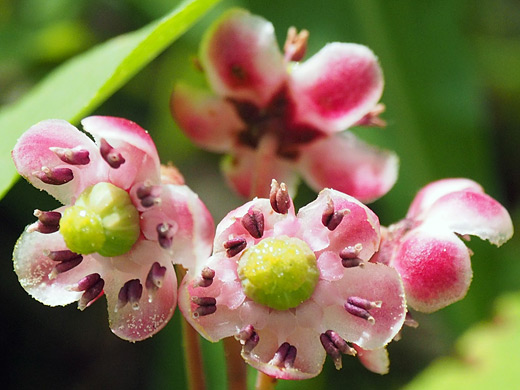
(280, 119)
(120, 230)
(294, 288)
(427, 247)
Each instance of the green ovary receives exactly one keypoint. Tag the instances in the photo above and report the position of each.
(280, 273)
(102, 220)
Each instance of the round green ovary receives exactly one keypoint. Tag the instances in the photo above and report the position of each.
(102, 220)
(279, 272)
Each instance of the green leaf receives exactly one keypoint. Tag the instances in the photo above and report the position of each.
(80, 85)
(486, 355)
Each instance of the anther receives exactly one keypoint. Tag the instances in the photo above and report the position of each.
(330, 218)
(165, 235)
(76, 156)
(335, 346)
(290, 357)
(48, 222)
(206, 278)
(235, 245)
(131, 292)
(149, 195)
(360, 307)
(245, 333)
(279, 197)
(112, 156)
(67, 260)
(248, 338)
(154, 280)
(340, 343)
(206, 306)
(92, 285)
(253, 222)
(349, 256)
(284, 356)
(251, 343)
(372, 118)
(410, 321)
(296, 44)
(63, 255)
(54, 176)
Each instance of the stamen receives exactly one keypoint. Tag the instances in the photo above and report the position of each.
(48, 222)
(279, 197)
(87, 282)
(93, 286)
(131, 292)
(54, 176)
(149, 195)
(359, 307)
(253, 222)
(204, 301)
(372, 118)
(330, 218)
(284, 356)
(290, 357)
(296, 44)
(251, 343)
(349, 256)
(76, 156)
(67, 260)
(335, 345)
(410, 321)
(64, 255)
(154, 280)
(234, 246)
(245, 333)
(165, 235)
(207, 305)
(111, 155)
(340, 343)
(248, 338)
(206, 280)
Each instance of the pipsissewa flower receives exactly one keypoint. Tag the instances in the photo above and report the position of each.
(278, 118)
(294, 288)
(123, 224)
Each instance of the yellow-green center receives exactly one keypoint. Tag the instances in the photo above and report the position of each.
(279, 272)
(103, 220)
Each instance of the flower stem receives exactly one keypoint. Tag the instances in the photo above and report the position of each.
(236, 367)
(265, 382)
(262, 174)
(192, 353)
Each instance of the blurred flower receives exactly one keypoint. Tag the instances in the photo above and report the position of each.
(277, 118)
(122, 226)
(427, 247)
(294, 288)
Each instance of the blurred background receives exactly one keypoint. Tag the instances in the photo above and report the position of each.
(452, 73)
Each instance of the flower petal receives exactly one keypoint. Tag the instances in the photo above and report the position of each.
(155, 306)
(432, 192)
(135, 145)
(474, 213)
(209, 121)
(241, 58)
(375, 283)
(376, 360)
(349, 165)
(32, 152)
(435, 268)
(250, 173)
(336, 87)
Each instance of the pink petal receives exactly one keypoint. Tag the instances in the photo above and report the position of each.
(347, 164)
(435, 268)
(250, 172)
(373, 282)
(135, 145)
(209, 121)
(359, 224)
(241, 58)
(156, 307)
(429, 194)
(473, 213)
(33, 268)
(376, 360)
(337, 86)
(32, 152)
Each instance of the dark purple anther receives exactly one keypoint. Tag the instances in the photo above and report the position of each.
(330, 218)
(111, 155)
(349, 256)
(63, 255)
(359, 307)
(131, 292)
(245, 333)
(206, 280)
(335, 345)
(290, 357)
(149, 195)
(234, 246)
(54, 176)
(67, 260)
(206, 306)
(92, 292)
(202, 311)
(74, 156)
(251, 342)
(155, 277)
(253, 222)
(280, 355)
(204, 301)
(87, 282)
(48, 222)
(340, 343)
(279, 197)
(165, 235)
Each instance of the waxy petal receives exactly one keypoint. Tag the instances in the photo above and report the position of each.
(473, 213)
(347, 164)
(250, 172)
(32, 152)
(435, 268)
(432, 192)
(336, 87)
(135, 145)
(375, 360)
(241, 58)
(208, 120)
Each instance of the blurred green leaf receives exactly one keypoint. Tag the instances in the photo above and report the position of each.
(487, 355)
(83, 83)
